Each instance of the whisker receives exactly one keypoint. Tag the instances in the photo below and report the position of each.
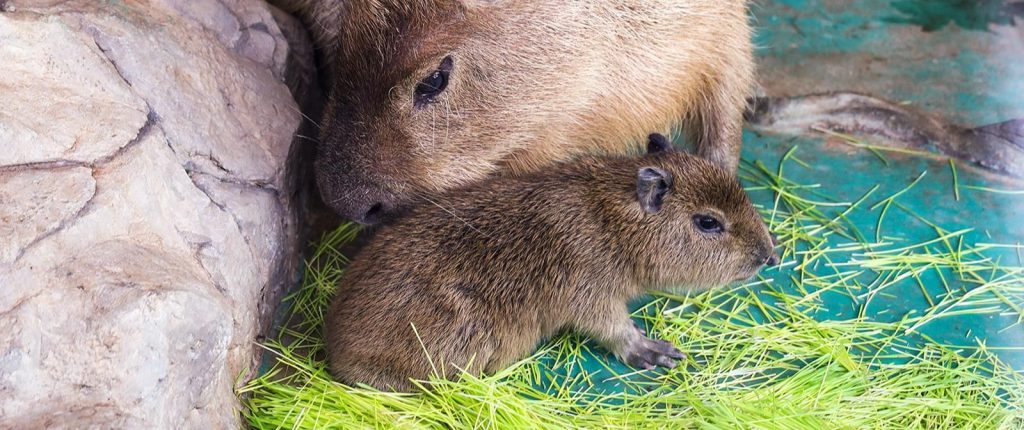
(307, 117)
(424, 197)
(307, 138)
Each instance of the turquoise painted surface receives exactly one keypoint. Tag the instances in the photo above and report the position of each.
(932, 15)
(969, 68)
(846, 176)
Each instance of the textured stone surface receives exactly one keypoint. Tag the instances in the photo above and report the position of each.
(34, 203)
(46, 89)
(148, 221)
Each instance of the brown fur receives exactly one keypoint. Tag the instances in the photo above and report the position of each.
(534, 82)
(486, 272)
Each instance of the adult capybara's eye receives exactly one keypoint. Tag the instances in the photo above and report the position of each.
(435, 83)
(432, 85)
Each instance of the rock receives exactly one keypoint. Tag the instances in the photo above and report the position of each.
(148, 208)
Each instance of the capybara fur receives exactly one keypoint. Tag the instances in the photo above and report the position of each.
(476, 278)
(426, 95)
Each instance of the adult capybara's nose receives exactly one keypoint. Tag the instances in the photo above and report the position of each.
(367, 206)
(355, 199)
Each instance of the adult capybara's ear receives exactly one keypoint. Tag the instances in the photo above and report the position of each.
(658, 143)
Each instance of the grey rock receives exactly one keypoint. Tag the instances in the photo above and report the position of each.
(148, 210)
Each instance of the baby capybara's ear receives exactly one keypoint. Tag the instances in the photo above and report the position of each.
(652, 184)
(658, 143)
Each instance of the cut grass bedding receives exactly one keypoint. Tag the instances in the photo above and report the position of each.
(801, 347)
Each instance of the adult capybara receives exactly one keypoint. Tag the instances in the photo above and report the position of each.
(425, 95)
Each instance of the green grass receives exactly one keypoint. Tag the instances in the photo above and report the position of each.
(802, 347)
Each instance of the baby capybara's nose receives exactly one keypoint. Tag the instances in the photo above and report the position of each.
(772, 259)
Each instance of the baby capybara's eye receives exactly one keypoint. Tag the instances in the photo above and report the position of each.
(432, 85)
(708, 224)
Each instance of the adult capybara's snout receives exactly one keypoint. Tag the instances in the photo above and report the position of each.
(354, 198)
(352, 185)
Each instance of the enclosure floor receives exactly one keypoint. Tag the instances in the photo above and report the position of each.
(958, 61)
